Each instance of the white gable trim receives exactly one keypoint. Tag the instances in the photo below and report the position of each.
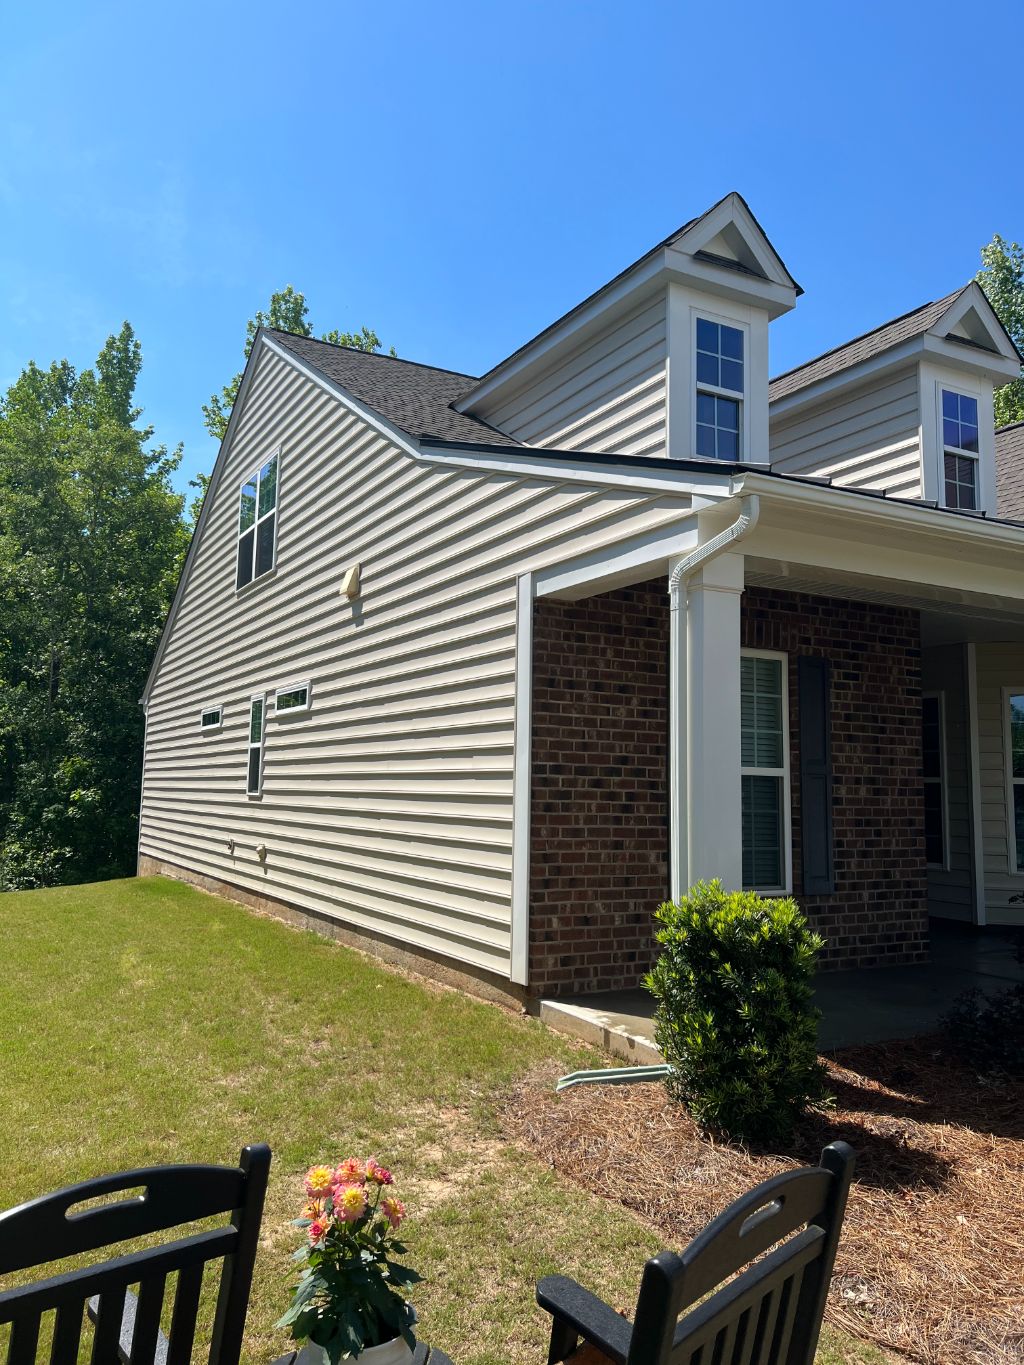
(211, 489)
(733, 211)
(974, 298)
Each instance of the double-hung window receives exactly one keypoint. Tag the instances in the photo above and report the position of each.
(257, 733)
(1015, 766)
(934, 779)
(764, 770)
(257, 524)
(719, 389)
(960, 449)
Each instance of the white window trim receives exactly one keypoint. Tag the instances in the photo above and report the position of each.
(290, 711)
(741, 398)
(275, 511)
(1011, 781)
(966, 391)
(940, 697)
(785, 772)
(249, 745)
(212, 706)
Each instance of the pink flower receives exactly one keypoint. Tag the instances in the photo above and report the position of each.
(349, 1203)
(393, 1210)
(317, 1231)
(350, 1172)
(318, 1181)
(377, 1173)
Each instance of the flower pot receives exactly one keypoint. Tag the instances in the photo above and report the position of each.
(394, 1352)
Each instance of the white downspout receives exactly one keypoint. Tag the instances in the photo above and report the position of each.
(679, 576)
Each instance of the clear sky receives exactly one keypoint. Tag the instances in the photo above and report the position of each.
(457, 175)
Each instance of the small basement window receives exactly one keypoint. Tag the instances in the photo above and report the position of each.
(292, 700)
(257, 729)
(211, 718)
(960, 450)
(257, 524)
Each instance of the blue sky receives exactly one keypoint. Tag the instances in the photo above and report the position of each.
(458, 175)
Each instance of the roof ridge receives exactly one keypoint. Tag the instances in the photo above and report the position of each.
(852, 341)
(1010, 426)
(377, 355)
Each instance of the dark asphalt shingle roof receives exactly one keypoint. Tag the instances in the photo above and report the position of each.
(1010, 471)
(415, 398)
(912, 324)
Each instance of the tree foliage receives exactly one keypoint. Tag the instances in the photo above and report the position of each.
(288, 312)
(1002, 278)
(91, 539)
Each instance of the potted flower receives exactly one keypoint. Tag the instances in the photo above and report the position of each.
(349, 1300)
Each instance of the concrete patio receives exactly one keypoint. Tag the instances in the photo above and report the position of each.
(861, 1006)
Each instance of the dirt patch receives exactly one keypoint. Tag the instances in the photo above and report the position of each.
(931, 1263)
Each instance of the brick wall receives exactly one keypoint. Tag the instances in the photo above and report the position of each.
(600, 820)
(878, 914)
(599, 832)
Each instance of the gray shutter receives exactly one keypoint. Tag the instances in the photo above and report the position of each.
(815, 776)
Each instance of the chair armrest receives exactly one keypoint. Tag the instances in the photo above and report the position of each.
(589, 1316)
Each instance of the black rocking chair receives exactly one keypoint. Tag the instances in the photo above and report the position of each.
(127, 1329)
(769, 1315)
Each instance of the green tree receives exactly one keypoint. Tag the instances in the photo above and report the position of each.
(91, 539)
(288, 312)
(1002, 278)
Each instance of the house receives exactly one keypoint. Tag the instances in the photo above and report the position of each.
(475, 671)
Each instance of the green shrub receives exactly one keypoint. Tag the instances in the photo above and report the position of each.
(735, 1017)
(987, 1031)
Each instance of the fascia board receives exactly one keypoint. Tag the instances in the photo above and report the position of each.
(719, 279)
(536, 464)
(215, 477)
(909, 519)
(506, 376)
(997, 368)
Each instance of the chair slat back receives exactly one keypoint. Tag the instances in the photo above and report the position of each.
(771, 1313)
(126, 1328)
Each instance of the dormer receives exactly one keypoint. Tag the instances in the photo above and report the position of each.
(905, 409)
(668, 359)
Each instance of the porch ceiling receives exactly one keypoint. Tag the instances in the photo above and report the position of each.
(949, 615)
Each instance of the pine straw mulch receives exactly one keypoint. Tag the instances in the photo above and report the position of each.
(931, 1261)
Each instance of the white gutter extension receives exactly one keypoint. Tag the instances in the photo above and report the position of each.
(678, 579)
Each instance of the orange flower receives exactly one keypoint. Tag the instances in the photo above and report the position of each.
(318, 1181)
(393, 1210)
(349, 1203)
(350, 1172)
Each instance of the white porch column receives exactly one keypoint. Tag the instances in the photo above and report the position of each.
(714, 843)
(679, 830)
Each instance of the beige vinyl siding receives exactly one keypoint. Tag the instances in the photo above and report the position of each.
(999, 666)
(950, 891)
(606, 394)
(869, 438)
(388, 805)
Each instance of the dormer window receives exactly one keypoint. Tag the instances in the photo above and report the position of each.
(960, 449)
(720, 389)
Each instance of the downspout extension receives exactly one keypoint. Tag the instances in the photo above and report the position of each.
(750, 511)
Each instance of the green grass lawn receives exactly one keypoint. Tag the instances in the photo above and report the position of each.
(146, 1022)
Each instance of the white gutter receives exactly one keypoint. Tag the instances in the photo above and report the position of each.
(682, 571)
